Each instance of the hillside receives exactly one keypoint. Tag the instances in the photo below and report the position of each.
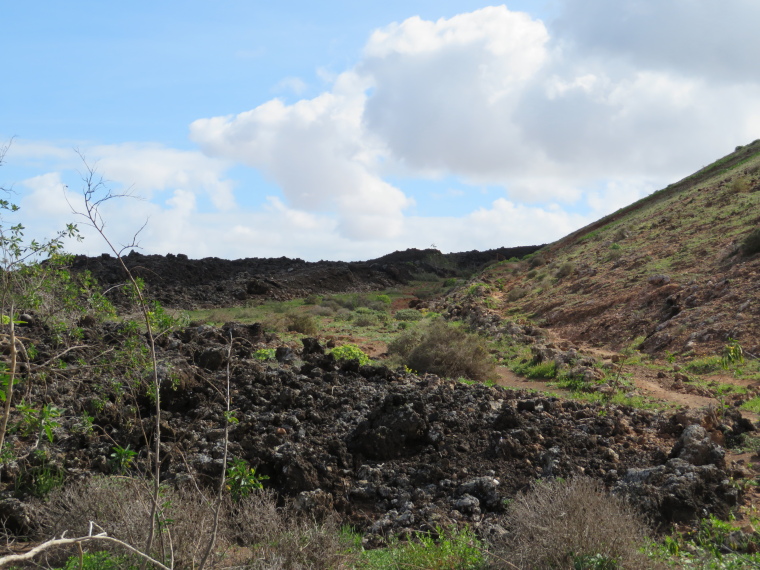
(668, 272)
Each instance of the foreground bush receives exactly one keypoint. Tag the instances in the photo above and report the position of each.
(441, 348)
(572, 524)
(253, 532)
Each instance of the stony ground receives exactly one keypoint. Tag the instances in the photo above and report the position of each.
(392, 452)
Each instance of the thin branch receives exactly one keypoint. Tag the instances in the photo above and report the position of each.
(93, 217)
(220, 495)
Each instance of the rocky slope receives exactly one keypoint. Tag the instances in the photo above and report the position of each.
(389, 451)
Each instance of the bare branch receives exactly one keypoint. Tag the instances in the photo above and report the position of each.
(12, 558)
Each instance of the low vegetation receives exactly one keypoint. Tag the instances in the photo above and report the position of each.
(442, 348)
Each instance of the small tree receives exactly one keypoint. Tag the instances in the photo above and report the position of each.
(21, 277)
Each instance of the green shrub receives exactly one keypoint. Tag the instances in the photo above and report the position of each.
(408, 315)
(565, 270)
(384, 299)
(367, 320)
(312, 300)
(450, 282)
(441, 348)
(751, 243)
(351, 352)
(516, 293)
(264, 354)
(302, 323)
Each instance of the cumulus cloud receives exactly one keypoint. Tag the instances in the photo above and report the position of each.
(149, 168)
(316, 152)
(602, 96)
(715, 40)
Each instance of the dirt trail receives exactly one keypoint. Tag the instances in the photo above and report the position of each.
(509, 379)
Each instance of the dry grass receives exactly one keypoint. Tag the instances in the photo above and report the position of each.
(566, 524)
(253, 533)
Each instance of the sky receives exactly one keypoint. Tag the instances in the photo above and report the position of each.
(345, 130)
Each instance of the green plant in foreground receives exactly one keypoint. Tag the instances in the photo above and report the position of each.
(460, 550)
(264, 354)
(594, 562)
(122, 458)
(351, 352)
(732, 354)
(99, 561)
(38, 421)
(242, 479)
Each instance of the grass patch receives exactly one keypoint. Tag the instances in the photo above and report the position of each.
(542, 370)
(704, 365)
(457, 549)
(752, 405)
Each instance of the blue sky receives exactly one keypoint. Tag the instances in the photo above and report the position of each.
(346, 130)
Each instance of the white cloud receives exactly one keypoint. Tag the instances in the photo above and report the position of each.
(293, 84)
(149, 168)
(316, 152)
(709, 40)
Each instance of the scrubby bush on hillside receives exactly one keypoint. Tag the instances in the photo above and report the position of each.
(571, 524)
(516, 293)
(751, 243)
(408, 315)
(564, 270)
(441, 348)
(739, 185)
(302, 323)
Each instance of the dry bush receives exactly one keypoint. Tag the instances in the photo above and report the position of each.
(565, 270)
(441, 348)
(253, 532)
(516, 293)
(284, 539)
(562, 524)
(739, 185)
(121, 507)
(323, 311)
(302, 323)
